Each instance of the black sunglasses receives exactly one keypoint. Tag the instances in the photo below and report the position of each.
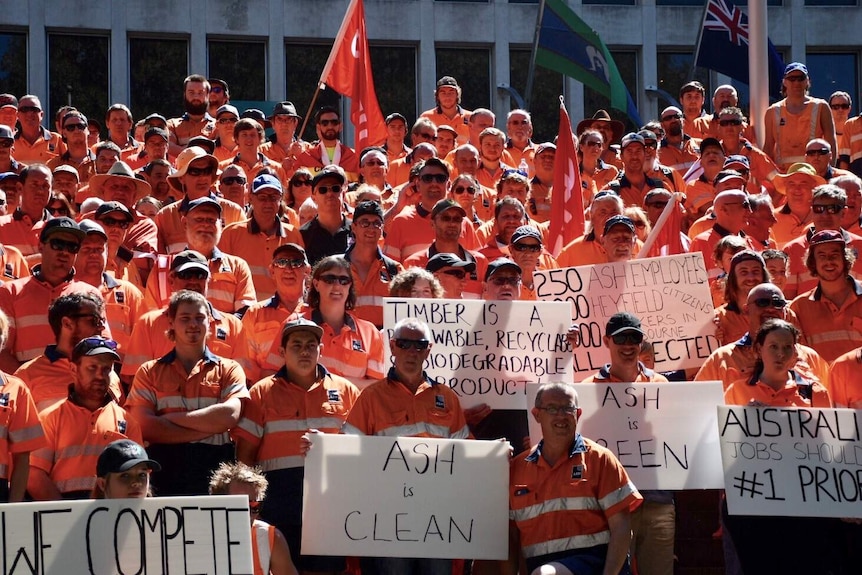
(417, 344)
(628, 338)
(332, 279)
(774, 301)
(64, 246)
(439, 178)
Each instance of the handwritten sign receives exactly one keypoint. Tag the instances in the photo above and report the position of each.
(405, 497)
(662, 433)
(669, 294)
(487, 351)
(160, 535)
(792, 462)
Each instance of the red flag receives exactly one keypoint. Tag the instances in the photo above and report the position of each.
(665, 238)
(567, 200)
(348, 72)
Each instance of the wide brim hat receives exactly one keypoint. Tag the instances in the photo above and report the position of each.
(602, 116)
(120, 169)
(185, 158)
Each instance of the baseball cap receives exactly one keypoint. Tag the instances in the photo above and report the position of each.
(95, 346)
(499, 264)
(655, 192)
(264, 182)
(6, 132)
(156, 119)
(648, 135)
(121, 455)
(544, 147)
(61, 225)
(10, 176)
(631, 138)
(622, 321)
(330, 171)
(155, 131)
(795, 67)
(745, 256)
(619, 221)
(300, 324)
(447, 260)
(728, 175)
(200, 142)
(447, 204)
(189, 259)
(710, 143)
(367, 208)
(204, 201)
(396, 116)
(447, 81)
(284, 108)
(114, 207)
(827, 237)
(670, 111)
(65, 168)
(256, 115)
(447, 128)
(186, 157)
(729, 197)
(737, 159)
(227, 108)
(8, 100)
(524, 232)
(92, 227)
(289, 247)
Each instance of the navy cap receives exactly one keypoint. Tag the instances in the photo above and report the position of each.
(622, 321)
(204, 201)
(619, 220)
(121, 455)
(499, 264)
(190, 259)
(526, 232)
(95, 346)
(264, 182)
(367, 208)
(448, 260)
(61, 225)
(796, 67)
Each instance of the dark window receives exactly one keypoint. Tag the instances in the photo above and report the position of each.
(78, 73)
(674, 71)
(394, 70)
(13, 63)
(627, 64)
(471, 67)
(242, 65)
(545, 101)
(833, 72)
(156, 72)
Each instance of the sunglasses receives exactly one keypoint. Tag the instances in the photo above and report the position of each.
(818, 152)
(326, 189)
(332, 279)
(6, 143)
(365, 224)
(639, 224)
(224, 121)
(464, 189)
(593, 144)
(329, 122)
(829, 209)
(668, 118)
(460, 274)
(114, 223)
(532, 248)
(505, 281)
(417, 344)
(96, 321)
(840, 106)
(97, 341)
(231, 180)
(283, 263)
(651, 145)
(199, 171)
(73, 127)
(58, 210)
(29, 109)
(774, 301)
(192, 275)
(729, 123)
(628, 338)
(216, 89)
(64, 246)
(429, 137)
(300, 183)
(439, 178)
(657, 205)
(373, 163)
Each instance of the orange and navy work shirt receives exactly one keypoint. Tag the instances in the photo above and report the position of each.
(564, 508)
(279, 412)
(169, 220)
(371, 290)
(828, 328)
(20, 428)
(261, 330)
(163, 386)
(388, 408)
(799, 392)
(845, 386)
(75, 438)
(645, 375)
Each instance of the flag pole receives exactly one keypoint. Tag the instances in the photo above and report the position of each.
(531, 72)
(310, 108)
(697, 44)
(659, 224)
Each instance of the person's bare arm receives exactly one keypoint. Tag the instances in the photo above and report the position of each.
(20, 476)
(280, 562)
(620, 525)
(216, 418)
(157, 429)
(246, 452)
(41, 487)
(828, 125)
(769, 134)
(8, 362)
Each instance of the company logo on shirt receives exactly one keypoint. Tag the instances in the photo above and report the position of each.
(357, 345)
(4, 399)
(577, 471)
(333, 396)
(120, 296)
(221, 334)
(439, 402)
(121, 426)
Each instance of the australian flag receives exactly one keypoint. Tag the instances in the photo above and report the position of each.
(724, 46)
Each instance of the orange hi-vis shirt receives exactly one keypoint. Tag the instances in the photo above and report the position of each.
(21, 232)
(788, 227)
(261, 330)
(793, 131)
(251, 170)
(356, 352)
(230, 285)
(736, 361)
(47, 378)
(169, 220)
(25, 301)
(164, 387)
(798, 393)
(850, 143)
(845, 386)
(279, 412)
(149, 340)
(565, 507)
(733, 323)
(75, 438)
(799, 278)
(85, 168)
(679, 157)
(46, 147)
(458, 121)
(371, 290)
(411, 231)
(20, 428)
(12, 264)
(473, 287)
(645, 375)
(831, 330)
(124, 305)
(387, 408)
(247, 241)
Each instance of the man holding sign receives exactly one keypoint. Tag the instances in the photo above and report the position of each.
(590, 537)
(653, 524)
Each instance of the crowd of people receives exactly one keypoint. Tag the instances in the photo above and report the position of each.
(195, 287)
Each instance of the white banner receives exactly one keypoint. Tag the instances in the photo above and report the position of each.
(669, 294)
(791, 462)
(207, 534)
(487, 351)
(406, 497)
(662, 433)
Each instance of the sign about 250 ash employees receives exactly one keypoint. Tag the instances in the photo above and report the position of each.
(669, 294)
(487, 351)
